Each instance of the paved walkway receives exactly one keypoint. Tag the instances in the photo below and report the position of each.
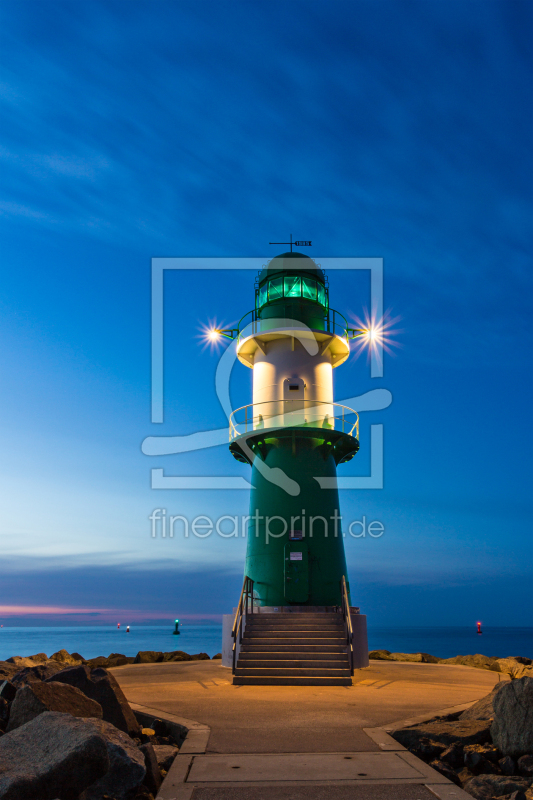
(287, 742)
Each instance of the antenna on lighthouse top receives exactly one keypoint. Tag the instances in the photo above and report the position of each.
(296, 244)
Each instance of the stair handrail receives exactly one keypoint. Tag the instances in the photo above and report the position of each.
(347, 621)
(246, 601)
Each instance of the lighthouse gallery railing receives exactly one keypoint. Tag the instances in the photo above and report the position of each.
(293, 413)
(253, 323)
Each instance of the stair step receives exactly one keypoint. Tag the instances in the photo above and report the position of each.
(275, 680)
(284, 634)
(289, 672)
(297, 640)
(295, 627)
(249, 646)
(276, 655)
(243, 665)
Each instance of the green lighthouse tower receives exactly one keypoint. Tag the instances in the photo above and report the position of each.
(294, 436)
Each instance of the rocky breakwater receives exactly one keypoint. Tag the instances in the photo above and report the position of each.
(514, 666)
(68, 732)
(487, 749)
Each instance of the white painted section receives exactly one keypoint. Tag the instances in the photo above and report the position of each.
(360, 641)
(287, 358)
(227, 639)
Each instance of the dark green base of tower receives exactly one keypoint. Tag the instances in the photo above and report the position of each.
(295, 550)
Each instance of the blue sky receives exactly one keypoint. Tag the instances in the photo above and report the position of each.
(130, 130)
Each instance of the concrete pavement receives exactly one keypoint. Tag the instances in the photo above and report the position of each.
(268, 742)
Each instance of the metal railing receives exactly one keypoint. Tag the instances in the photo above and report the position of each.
(293, 413)
(245, 607)
(347, 622)
(252, 323)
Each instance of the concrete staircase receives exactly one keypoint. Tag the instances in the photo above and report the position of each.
(294, 649)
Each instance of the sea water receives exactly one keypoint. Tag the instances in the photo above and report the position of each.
(92, 641)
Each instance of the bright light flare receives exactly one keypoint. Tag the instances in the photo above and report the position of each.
(375, 335)
(210, 334)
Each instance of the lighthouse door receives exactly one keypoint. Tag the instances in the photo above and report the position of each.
(296, 572)
(294, 402)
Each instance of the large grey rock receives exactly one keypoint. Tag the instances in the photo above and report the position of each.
(40, 672)
(380, 655)
(483, 709)
(176, 655)
(54, 755)
(110, 661)
(477, 660)
(22, 661)
(507, 765)
(8, 690)
(148, 657)
(512, 729)
(36, 698)
(446, 770)
(126, 765)
(65, 658)
(165, 755)
(525, 766)
(486, 787)
(516, 667)
(462, 732)
(7, 670)
(101, 686)
(418, 658)
(386, 655)
(153, 777)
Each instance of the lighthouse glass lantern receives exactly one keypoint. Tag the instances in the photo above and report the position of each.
(293, 435)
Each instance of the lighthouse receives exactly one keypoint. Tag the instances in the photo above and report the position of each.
(294, 437)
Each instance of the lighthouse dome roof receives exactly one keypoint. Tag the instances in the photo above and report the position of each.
(289, 264)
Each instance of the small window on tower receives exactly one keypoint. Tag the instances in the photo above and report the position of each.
(275, 289)
(293, 387)
(309, 288)
(262, 295)
(293, 287)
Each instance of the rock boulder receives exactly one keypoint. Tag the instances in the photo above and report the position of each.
(36, 698)
(461, 732)
(477, 660)
(8, 690)
(40, 672)
(54, 755)
(176, 655)
(486, 787)
(446, 770)
(165, 755)
(126, 765)
(153, 777)
(525, 766)
(148, 657)
(101, 686)
(483, 709)
(7, 670)
(65, 658)
(22, 661)
(512, 729)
